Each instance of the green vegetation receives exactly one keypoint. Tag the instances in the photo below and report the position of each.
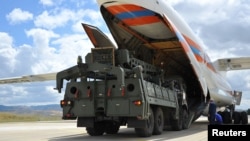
(248, 111)
(12, 117)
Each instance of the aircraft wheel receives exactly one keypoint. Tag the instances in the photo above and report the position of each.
(158, 121)
(148, 130)
(227, 117)
(236, 117)
(97, 130)
(244, 118)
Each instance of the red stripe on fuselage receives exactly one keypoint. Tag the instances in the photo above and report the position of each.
(185, 46)
(198, 57)
(135, 21)
(192, 43)
(117, 9)
(141, 20)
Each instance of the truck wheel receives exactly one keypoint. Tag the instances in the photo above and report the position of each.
(177, 124)
(158, 121)
(185, 119)
(244, 118)
(112, 128)
(97, 130)
(148, 130)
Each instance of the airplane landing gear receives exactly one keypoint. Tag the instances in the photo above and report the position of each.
(230, 115)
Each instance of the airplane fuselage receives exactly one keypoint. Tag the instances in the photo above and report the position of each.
(155, 25)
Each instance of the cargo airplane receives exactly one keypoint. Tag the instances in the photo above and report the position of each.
(153, 32)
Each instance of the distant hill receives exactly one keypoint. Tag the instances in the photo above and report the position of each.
(30, 113)
(4, 108)
(52, 109)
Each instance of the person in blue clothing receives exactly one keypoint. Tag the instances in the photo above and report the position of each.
(218, 119)
(212, 111)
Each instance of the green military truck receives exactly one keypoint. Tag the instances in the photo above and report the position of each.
(113, 89)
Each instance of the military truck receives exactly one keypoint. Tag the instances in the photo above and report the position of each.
(113, 89)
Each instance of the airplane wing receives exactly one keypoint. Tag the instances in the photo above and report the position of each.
(228, 64)
(29, 78)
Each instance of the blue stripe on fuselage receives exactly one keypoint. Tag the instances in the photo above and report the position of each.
(195, 50)
(132, 14)
(181, 39)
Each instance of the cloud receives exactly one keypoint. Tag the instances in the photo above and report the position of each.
(72, 46)
(52, 53)
(7, 53)
(46, 2)
(30, 94)
(18, 16)
(41, 37)
(51, 20)
(47, 57)
(64, 17)
(87, 16)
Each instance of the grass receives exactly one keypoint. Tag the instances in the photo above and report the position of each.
(12, 117)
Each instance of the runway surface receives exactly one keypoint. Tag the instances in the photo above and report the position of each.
(67, 131)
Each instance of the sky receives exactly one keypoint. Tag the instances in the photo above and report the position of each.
(46, 36)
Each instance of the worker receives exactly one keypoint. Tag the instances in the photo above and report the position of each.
(212, 111)
(218, 119)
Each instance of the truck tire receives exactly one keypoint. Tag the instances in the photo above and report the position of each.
(158, 121)
(177, 124)
(185, 119)
(148, 130)
(112, 128)
(97, 130)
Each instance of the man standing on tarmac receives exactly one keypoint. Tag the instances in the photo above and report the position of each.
(212, 111)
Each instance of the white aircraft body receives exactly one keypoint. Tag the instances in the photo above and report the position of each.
(157, 34)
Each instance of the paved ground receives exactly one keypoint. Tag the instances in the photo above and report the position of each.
(67, 131)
